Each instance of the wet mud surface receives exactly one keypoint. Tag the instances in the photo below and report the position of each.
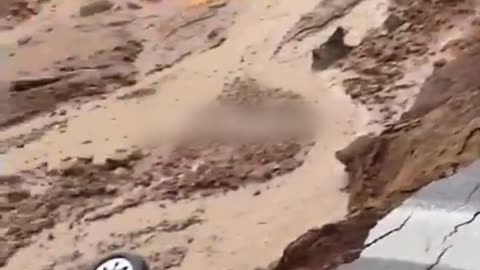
(67, 79)
(252, 136)
(197, 166)
(13, 12)
(42, 73)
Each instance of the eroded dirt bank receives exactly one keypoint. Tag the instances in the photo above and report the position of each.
(430, 141)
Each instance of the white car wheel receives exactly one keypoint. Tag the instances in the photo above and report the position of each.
(121, 261)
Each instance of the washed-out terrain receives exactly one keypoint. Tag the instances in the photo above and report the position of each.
(226, 134)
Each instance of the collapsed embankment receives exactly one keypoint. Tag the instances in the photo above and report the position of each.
(438, 135)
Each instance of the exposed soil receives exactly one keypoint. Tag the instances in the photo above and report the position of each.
(382, 60)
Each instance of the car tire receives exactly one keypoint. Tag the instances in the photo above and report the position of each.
(121, 261)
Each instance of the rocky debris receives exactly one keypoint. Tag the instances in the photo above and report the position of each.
(32, 83)
(134, 240)
(71, 257)
(440, 63)
(95, 7)
(209, 169)
(381, 58)
(17, 196)
(21, 140)
(74, 190)
(13, 12)
(24, 40)
(171, 258)
(216, 163)
(86, 190)
(249, 93)
(123, 158)
(330, 51)
(133, 5)
(316, 20)
(72, 77)
(139, 93)
(205, 28)
(393, 22)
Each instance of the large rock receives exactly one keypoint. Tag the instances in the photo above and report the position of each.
(331, 51)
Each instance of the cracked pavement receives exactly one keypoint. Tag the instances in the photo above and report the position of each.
(437, 228)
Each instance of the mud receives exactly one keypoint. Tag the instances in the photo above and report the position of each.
(67, 79)
(67, 72)
(254, 142)
(218, 161)
(194, 167)
(13, 12)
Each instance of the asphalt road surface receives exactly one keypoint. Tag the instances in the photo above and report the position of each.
(437, 228)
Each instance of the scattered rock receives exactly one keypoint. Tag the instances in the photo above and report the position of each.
(123, 158)
(393, 22)
(440, 63)
(139, 93)
(62, 112)
(24, 40)
(50, 237)
(17, 196)
(331, 51)
(121, 172)
(27, 84)
(171, 258)
(95, 7)
(134, 6)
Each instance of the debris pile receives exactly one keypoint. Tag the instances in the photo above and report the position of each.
(381, 59)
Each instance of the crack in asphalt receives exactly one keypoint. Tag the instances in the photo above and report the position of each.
(439, 258)
(470, 195)
(458, 226)
(387, 234)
